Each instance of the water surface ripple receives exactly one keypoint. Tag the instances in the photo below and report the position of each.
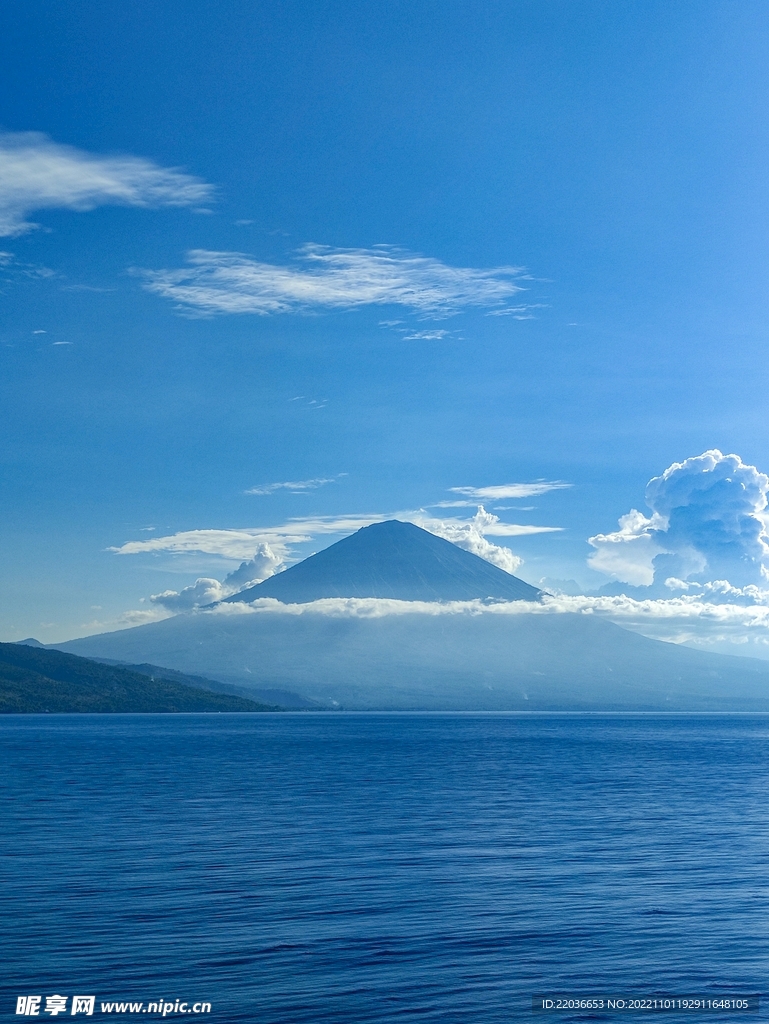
(363, 867)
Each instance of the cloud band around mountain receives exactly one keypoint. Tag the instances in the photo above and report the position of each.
(323, 277)
(680, 619)
(689, 618)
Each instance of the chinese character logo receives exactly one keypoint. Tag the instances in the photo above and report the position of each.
(28, 1005)
(83, 1004)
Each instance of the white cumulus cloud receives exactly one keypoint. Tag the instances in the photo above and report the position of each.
(708, 523)
(264, 564)
(37, 173)
(628, 554)
(205, 591)
(325, 277)
(202, 592)
(469, 534)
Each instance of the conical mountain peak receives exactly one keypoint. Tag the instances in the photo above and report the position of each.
(392, 560)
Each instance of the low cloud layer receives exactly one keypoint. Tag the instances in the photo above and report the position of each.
(322, 277)
(736, 623)
(37, 174)
(707, 522)
(686, 619)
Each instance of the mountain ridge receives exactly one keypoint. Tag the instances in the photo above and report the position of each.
(468, 655)
(393, 560)
(38, 679)
(447, 662)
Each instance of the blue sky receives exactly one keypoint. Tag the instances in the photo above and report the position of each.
(378, 253)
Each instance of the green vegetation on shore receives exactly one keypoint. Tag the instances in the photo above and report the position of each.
(35, 680)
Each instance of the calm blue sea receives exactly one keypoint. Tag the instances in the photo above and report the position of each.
(363, 867)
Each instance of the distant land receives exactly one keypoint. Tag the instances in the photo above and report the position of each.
(271, 699)
(293, 634)
(34, 679)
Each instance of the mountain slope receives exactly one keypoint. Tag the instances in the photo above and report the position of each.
(503, 655)
(473, 662)
(270, 698)
(392, 560)
(38, 680)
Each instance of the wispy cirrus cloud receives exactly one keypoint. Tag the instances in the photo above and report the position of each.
(322, 277)
(238, 544)
(523, 312)
(411, 333)
(37, 173)
(497, 492)
(15, 268)
(294, 486)
(437, 335)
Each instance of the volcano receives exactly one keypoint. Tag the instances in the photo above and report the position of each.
(392, 560)
(430, 627)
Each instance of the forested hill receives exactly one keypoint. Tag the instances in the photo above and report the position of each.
(34, 679)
